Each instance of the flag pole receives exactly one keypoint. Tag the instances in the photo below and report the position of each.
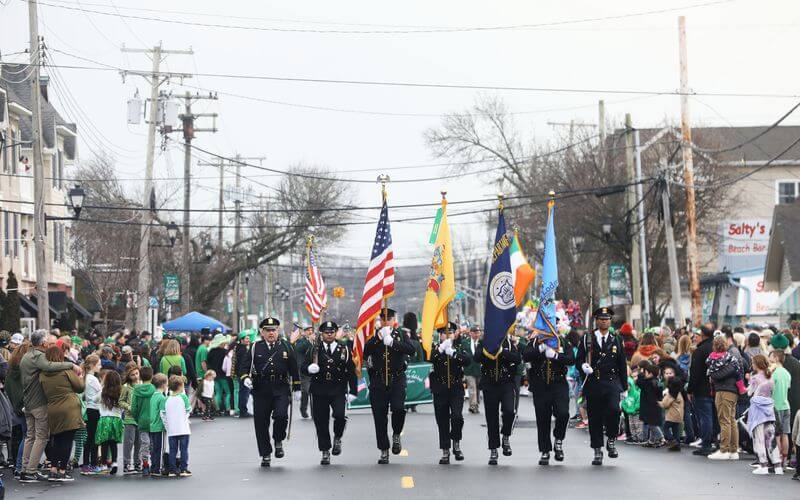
(314, 345)
(383, 178)
(447, 316)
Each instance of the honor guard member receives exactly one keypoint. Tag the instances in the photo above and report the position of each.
(602, 359)
(386, 354)
(302, 348)
(497, 383)
(447, 386)
(547, 381)
(273, 375)
(331, 371)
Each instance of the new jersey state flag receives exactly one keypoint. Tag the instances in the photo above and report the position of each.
(441, 287)
(545, 324)
(500, 302)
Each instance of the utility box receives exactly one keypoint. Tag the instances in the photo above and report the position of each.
(134, 111)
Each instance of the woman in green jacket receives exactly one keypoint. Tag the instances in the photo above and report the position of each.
(172, 357)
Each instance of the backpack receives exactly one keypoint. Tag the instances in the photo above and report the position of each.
(6, 417)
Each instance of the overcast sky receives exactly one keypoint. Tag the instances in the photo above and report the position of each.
(739, 46)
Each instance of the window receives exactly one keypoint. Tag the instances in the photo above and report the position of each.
(60, 169)
(15, 236)
(4, 156)
(17, 151)
(6, 236)
(787, 192)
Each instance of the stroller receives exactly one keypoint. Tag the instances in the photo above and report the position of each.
(745, 439)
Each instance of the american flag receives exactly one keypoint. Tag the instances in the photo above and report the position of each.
(379, 284)
(316, 297)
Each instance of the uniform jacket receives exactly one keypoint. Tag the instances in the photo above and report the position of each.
(337, 371)
(473, 369)
(548, 371)
(375, 355)
(63, 406)
(447, 373)
(502, 368)
(272, 370)
(609, 363)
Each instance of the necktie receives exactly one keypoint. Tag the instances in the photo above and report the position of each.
(331, 348)
(473, 347)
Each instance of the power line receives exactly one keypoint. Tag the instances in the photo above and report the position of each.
(427, 30)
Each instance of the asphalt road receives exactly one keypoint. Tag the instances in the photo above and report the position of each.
(225, 463)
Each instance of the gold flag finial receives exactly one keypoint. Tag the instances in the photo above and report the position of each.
(500, 197)
(383, 179)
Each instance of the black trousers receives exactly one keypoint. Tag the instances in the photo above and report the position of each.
(276, 407)
(602, 405)
(448, 407)
(381, 400)
(321, 409)
(550, 400)
(497, 398)
(90, 448)
(61, 446)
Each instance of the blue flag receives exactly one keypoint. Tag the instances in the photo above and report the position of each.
(546, 316)
(500, 304)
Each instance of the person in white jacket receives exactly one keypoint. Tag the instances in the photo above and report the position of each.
(176, 424)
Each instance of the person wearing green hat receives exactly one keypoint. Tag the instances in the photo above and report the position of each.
(240, 370)
(782, 380)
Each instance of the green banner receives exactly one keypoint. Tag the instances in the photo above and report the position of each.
(435, 229)
(417, 388)
(172, 288)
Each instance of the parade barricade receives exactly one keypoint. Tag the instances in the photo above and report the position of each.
(418, 389)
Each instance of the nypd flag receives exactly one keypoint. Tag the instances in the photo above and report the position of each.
(500, 304)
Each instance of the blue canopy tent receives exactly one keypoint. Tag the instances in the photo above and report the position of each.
(194, 322)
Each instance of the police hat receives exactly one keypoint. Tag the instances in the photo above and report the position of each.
(388, 313)
(452, 327)
(603, 313)
(328, 326)
(270, 323)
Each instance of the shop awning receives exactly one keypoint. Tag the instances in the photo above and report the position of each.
(79, 309)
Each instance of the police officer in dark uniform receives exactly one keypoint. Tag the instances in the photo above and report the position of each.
(447, 386)
(386, 355)
(497, 384)
(331, 370)
(547, 381)
(273, 374)
(602, 359)
(302, 348)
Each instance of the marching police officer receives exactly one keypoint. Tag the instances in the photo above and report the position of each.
(447, 386)
(497, 383)
(602, 360)
(331, 370)
(273, 371)
(302, 348)
(386, 354)
(547, 380)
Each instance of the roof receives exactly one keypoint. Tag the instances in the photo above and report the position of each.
(19, 92)
(772, 143)
(784, 245)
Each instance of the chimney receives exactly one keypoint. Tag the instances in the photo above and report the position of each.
(43, 82)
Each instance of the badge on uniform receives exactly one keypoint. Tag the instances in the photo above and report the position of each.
(285, 354)
(614, 350)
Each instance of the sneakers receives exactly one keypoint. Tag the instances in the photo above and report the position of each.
(186, 473)
(129, 470)
(696, 444)
(622, 437)
(583, 424)
(761, 471)
(733, 456)
(703, 452)
(172, 474)
(720, 455)
(778, 471)
(36, 477)
(60, 477)
(113, 469)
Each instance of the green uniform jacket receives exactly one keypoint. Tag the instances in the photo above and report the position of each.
(158, 402)
(473, 369)
(302, 348)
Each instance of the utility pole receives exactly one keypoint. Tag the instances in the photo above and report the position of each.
(602, 275)
(237, 238)
(156, 78)
(630, 204)
(220, 236)
(688, 178)
(40, 231)
(672, 254)
(189, 129)
(641, 228)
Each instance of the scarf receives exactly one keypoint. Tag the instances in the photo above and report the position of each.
(647, 350)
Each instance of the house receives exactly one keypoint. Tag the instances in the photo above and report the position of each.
(59, 149)
(782, 271)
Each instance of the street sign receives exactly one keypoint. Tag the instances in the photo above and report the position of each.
(618, 284)
(172, 288)
(153, 302)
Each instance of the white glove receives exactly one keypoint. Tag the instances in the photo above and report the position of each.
(542, 347)
(623, 394)
(297, 395)
(313, 368)
(442, 348)
(386, 331)
(248, 383)
(587, 369)
(549, 352)
(351, 398)
(450, 351)
(388, 340)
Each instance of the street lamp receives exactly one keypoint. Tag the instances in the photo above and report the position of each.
(172, 233)
(577, 243)
(208, 251)
(606, 229)
(76, 196)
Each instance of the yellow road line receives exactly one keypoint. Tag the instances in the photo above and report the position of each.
(403, 453)
(407, 482)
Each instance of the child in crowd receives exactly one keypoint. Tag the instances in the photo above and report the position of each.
(796, 440)
(176, 422)
(761, 417)
(649, 410)
(109, 427)
(157, 401)
(91, 398)
(207, 395)
(672, 403)
(630, 409)
(140, 409)
(131, 444)
(780, 397)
